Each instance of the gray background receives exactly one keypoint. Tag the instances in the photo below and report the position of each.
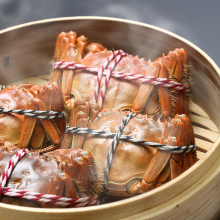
(195, 20)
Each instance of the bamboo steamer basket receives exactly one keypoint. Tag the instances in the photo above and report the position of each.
(26, 54)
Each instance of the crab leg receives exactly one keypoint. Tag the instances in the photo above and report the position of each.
(145, 90)
(44, 94)
(58, 105)
(79, 105)
(48, 125)
(81, 45)
(82, 121)
(78, 169)
(90, 160)
(60, 45)
(56, 188)
(161, 158)
(67, 78)
(84, 179)
(59, 54)
(181, 75)
(28, 125)
(70, 188)
(164, 96)
(188, 158)
(94, 110)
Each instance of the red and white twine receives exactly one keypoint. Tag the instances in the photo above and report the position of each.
(9, 168)
(121, 75)
(48, 198)
(117, 55)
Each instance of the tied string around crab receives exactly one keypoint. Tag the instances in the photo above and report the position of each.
(78, 202)
(111, 63)
(45, 198)
(51, 115)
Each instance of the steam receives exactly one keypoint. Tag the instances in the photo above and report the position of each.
(14, 12)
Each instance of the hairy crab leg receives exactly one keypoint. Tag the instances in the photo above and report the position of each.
(67, 77)
(58, 105)
(145, 90)
(188, 158)
(178, 77)
(59, 54)
(158, 170)
(82, 121)
(81, 45)
(79, 105)
(84, 179)
(182, 55)
(165, 100)
(160, 158)
(28, 125)
(79, 171)
(90, 160)
(93, 112)
(56, 188)
(164, 96)
(176, 161)
(44, 94)
(60, 44)
(70, 188)
(48, 125)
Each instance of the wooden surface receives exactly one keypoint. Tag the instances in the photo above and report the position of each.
(26, 53)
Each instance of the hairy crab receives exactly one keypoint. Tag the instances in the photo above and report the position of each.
(135, 168)
(68, 173)
(121, 93)
(24, 130)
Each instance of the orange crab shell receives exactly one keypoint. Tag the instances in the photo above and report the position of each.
(135, 164)
(48, 174)
(10, 123)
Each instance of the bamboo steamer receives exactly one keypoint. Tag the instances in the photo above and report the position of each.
(26, 54)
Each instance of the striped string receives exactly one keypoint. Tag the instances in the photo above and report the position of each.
(38, 114)
(167, 148)
(48, 198)
(9, 168)
(118, 55)
(128, 76)
(100, 73)
(2, 87)
(114, 145)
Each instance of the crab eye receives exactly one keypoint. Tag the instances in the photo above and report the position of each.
(6, 101)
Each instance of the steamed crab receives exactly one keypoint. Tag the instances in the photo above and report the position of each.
(68, 173)
(28, 131)
(122, 94)
(135, 168)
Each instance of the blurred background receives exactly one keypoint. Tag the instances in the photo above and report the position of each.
(194, 20)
